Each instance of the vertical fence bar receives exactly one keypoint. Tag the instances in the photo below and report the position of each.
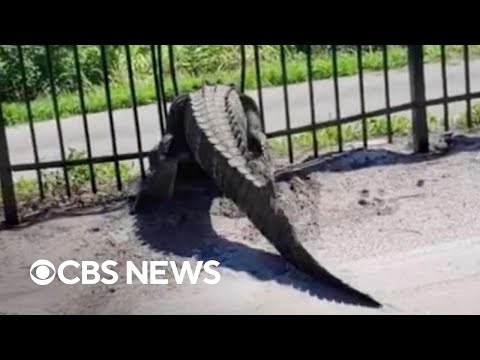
(133, 96)
(30, 121)
(57, 116)
(259, 84)
(6, 179)
(110, 114)
(337, 97)
(312, 100)
(285, 97)
(81, 95)
(417, 92)
(244, 68)
(445, 87)
(466, 57)
(387, 92)
(171, 60)
(162, 81)
(157, 90)
(362, 95)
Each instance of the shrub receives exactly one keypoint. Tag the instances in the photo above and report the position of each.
(194, 64)
(37, 78)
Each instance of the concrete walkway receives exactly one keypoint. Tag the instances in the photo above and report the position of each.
(47, 138)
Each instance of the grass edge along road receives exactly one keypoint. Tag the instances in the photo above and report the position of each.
(42, 108)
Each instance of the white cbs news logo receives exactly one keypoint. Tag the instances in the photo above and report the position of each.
(43, 272)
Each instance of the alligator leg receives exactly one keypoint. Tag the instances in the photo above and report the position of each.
(159, 185)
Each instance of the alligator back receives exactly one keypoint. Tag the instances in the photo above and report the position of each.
(221, 128)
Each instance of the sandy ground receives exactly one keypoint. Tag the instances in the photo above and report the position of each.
(401, 228)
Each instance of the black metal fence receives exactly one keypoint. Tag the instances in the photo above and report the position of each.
(163, 73)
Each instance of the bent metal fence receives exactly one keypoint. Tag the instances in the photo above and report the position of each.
(317, 71)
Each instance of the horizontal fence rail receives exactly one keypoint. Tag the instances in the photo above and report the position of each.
(117, 97)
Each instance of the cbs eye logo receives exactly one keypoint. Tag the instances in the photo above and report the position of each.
(42, 272)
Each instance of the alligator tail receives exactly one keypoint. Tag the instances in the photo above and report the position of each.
(214, 131)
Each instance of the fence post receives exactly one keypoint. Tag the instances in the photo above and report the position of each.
(417, 93)
(8, 190)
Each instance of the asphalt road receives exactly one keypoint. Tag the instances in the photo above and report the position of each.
(299, 105)
(437, 279)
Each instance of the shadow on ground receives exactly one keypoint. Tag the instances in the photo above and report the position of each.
(182, 227)
(365, 158)
(48, 213)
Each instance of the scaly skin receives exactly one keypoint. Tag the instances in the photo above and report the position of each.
(221, 131)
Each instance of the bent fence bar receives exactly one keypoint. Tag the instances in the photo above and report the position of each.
(417, 105)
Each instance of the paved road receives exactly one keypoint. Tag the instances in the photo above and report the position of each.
(47, 138)
(435, 279)
(442, 278)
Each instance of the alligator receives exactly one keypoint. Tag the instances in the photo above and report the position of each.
(217, 130)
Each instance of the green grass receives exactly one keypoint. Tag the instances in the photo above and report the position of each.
(376, 128)
(69, 104)
(27, 190)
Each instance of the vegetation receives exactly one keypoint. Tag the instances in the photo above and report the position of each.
(194, 64)
(376, 128)
(27, 189)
